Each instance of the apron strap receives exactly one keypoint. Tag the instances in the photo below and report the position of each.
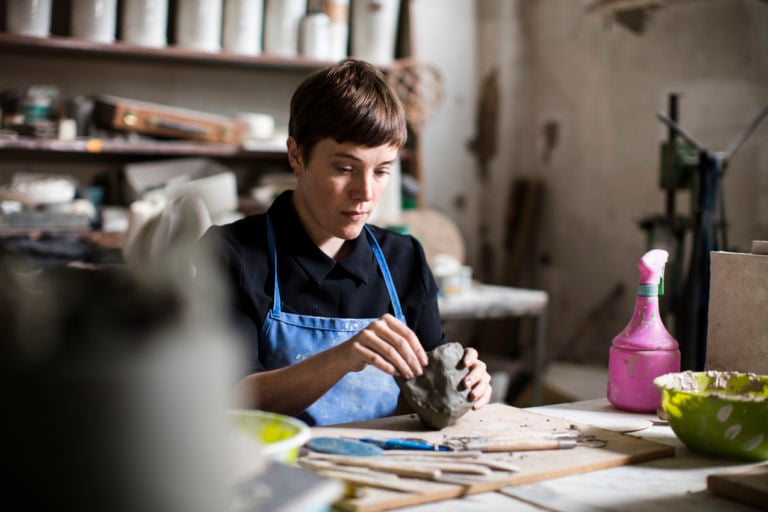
(387, 276)
(272, 248)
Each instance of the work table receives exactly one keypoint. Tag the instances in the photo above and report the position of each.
(677, 482)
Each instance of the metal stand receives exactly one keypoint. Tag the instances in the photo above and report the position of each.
(687, 164)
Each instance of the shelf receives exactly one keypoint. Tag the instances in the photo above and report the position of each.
(70, 46)
(95, 146)
(126, 147)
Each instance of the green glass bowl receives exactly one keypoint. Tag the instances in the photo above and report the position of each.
(724, 414)
(279, 436)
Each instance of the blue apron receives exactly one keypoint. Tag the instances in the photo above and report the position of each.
(288, 338)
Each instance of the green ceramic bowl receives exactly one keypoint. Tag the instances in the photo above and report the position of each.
(279, 436)
(724, 414)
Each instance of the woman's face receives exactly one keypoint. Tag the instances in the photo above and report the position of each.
(338, 188)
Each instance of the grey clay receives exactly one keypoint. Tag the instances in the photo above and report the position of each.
(438, 396)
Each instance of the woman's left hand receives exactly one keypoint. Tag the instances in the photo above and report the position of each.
(478, 381)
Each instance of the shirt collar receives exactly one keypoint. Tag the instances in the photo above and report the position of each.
(292, 236)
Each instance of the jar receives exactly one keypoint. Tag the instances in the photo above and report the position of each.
(94, 20)
(145, 22)
(338, 12)
(198, 25)
(282, 19)
(315, 40)
(28, 17)
(374, 30)
(242, 26)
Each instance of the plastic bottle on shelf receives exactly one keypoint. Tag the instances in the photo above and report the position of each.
(315, 38)
(282, 19)
(644, 350)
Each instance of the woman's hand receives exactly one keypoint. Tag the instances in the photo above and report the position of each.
(478, 381)
(389, 345)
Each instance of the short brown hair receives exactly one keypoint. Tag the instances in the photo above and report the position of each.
(348, 102)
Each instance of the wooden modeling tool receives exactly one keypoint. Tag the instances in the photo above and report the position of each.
(511, 444)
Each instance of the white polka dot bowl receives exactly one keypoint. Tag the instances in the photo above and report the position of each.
(724, 414)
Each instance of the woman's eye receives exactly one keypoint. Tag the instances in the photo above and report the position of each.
(382, 172)
(344, 169)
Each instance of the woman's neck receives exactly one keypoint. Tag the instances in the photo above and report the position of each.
(335, 248)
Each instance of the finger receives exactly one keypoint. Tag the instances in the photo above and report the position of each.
(408, 336)
(378, 343)
(400, 336)
(470, 356)
(483, 399)
(481, 391)
(372, 358)
(477, 371)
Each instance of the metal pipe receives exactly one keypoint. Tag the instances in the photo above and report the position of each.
(673, 125)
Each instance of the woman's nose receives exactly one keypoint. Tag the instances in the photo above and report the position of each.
(364, 187)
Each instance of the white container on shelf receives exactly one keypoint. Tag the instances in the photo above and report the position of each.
(94, 20)
(256, 126)
(338, 12)
(242, 26)
(198, 25)
(145, 22)
(374, 30)
(315, 38)
(282, 19)
(28, 17)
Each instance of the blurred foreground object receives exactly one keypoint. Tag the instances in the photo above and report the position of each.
(119, 379)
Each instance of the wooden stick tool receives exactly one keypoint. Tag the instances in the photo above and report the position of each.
(511, 444)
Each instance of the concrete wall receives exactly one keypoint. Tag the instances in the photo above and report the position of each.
(600, 84)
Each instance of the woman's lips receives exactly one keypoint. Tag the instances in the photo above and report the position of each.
(355, 215)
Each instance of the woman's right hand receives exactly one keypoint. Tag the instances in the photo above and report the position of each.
(389, 345)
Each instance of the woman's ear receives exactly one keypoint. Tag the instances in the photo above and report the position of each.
(294, 155)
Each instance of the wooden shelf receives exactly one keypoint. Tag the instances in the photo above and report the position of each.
(55, 45)
(96, 146)
(126, 147)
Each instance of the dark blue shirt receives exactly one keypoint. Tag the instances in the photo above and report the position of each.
(312, 283)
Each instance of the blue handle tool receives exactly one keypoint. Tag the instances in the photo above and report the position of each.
(405, 444)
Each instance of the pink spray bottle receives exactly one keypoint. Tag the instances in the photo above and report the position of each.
(644, 349)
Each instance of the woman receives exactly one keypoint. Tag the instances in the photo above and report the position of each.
(331, 307)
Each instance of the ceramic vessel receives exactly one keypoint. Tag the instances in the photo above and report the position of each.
(242, 26)
(28, 17)
(145, 22)
(94, 20)
(282, 20)
(198, 25)
(374, 30)
(718, 413)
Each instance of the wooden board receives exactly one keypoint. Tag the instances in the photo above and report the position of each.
(745, 485)
(496, 420)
